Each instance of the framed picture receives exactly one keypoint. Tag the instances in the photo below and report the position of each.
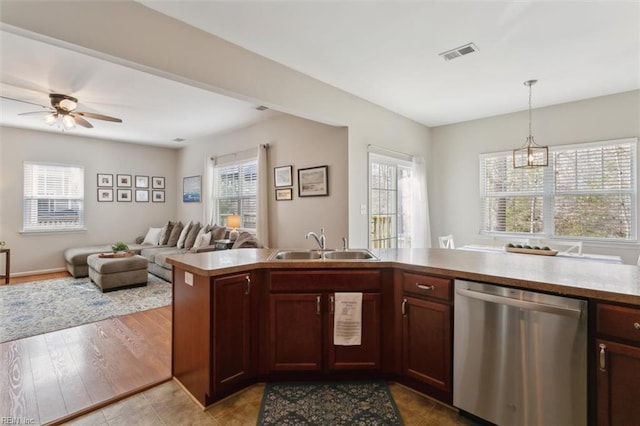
(157, 182)
(284, 194)
(124, 195)
(282, 176)
(142, 181)
(191, 189)
(142, 196)
(124, 181)
(105, 194)
(105, 180)
(313, 181)
(157, 196)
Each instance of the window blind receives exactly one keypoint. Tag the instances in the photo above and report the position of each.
(235, 192)
(53, 197)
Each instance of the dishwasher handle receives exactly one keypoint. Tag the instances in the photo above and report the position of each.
(522, 304)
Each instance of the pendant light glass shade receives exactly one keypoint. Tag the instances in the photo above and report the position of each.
(530, 154)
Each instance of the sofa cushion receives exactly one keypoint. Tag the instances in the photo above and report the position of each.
(152, 237)
(161, 258)
(183, 235)
(218, 232)
(201, 241)
(191, 235)
(175, 234)
(246, 240)
(151, 252)
(165, 233)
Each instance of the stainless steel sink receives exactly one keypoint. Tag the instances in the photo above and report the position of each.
(297, 255)
(355, 254)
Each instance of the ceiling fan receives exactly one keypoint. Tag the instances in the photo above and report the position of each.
(63, 111)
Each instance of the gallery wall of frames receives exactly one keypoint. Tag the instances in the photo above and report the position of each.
(126, 188)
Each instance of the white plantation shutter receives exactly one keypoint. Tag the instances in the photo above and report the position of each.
(53, 197)
(235, 192)
(588, 191)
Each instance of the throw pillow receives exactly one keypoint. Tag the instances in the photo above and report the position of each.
(202, 241)
(218, 232)
(183, 235)
(175, 234)
(165, 233)
(152, 237)
(246, 240)
(191, 236)
(202, 230)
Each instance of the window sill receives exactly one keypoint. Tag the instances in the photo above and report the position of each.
(51, 231)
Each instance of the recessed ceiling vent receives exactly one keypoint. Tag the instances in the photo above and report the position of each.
(261, 108)
(459, 51)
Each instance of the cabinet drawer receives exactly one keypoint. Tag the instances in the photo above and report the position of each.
(427, 285)
(325, 280)
(619, 321)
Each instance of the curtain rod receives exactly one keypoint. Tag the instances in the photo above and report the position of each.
(402, 155)
(234, 154)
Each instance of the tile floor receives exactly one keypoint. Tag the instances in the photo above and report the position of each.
(168, 404)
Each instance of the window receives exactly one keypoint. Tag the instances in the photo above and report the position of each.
(53, 197)
(390, 183)
(236, 192)
(588, 191)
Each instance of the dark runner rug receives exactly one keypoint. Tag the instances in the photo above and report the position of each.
(334, 403)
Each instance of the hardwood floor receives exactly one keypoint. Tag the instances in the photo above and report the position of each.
(58, 375)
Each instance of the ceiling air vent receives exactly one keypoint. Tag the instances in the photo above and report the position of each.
(459, 51)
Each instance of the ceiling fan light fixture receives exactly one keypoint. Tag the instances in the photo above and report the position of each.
(68, 104)
(531, 154)
(51, 119)
(68, 122)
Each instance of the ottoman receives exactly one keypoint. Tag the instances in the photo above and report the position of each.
(113, 273)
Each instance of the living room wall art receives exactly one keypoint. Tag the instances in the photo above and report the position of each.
(124, 181)
(313, 181)
(191, 189)
(124, 195)
(142, 196)
(142, 181)
(284, 194)
(157, 182)
(105, 194)
(105, 180)
(157, 196)
(283, 176)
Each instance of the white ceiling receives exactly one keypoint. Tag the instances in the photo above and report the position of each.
(385, 52)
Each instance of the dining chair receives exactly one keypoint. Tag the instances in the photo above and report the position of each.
(446, 241)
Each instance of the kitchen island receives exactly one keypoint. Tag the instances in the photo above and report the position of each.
(236, 312)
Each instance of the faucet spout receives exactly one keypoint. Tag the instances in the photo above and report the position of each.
(320, 239)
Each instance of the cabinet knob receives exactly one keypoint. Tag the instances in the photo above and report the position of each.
(603, 357)
(317, 305)
(404, 307)
(636, 325)
(248, 286)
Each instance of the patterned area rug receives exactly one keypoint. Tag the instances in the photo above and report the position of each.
(341, 403)
(39, 307)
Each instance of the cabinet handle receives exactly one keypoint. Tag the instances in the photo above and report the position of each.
(332, 304)
(248, 286)
(317, 305)
(404, 307)
(603, 357)
(636, 325)
(425, 287)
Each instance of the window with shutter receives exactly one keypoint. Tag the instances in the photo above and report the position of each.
(53, 197)
(588, 191)
(235, 192)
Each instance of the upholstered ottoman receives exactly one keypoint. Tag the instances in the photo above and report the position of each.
(113, 273)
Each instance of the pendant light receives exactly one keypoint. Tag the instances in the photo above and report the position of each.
(530, 154)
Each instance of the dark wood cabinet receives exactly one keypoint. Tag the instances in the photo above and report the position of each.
(618, 365)
(301, 317)
(232, 342)
(427, 339)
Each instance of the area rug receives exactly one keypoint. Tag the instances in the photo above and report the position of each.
(335, 403)
(39, 307)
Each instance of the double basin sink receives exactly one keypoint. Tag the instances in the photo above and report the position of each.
(353, 254)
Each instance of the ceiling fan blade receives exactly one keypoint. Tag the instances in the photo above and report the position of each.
(98, 116)
(38, 112)
(81, 121)
(25, 102)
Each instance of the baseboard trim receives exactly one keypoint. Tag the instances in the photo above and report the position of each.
(40, 272)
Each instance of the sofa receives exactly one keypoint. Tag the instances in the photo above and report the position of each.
(159, 243)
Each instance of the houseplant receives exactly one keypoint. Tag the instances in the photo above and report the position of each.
(120, 247)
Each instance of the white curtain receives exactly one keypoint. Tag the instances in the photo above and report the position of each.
(209, 208)
(421, 237)
(262, 221)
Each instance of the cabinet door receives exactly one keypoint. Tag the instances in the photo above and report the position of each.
(365, 356)
(426, 342)
(231, 332)
(618, 379)
(295, 332)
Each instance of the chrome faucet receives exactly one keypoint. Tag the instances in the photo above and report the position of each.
(321, 239)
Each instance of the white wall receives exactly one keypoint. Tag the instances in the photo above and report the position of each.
(292, 141)
(106, 222)
(453, 176)
(153, 42)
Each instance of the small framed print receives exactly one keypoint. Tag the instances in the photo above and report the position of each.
(157, 182)
(142, 181)
(124, 181)
(105, 180)
(157, 196)
(285, 194)
(124, 195)
(313, 181)
(191, 189)
(142, 196)
(283, 176)
(105, 195)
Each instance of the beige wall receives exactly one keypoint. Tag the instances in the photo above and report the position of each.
(453, 176)
(292, 141)
(106, 221)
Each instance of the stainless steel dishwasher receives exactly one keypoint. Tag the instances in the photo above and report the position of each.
(519, 357)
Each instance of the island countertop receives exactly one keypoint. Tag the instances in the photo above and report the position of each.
(587, 279)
